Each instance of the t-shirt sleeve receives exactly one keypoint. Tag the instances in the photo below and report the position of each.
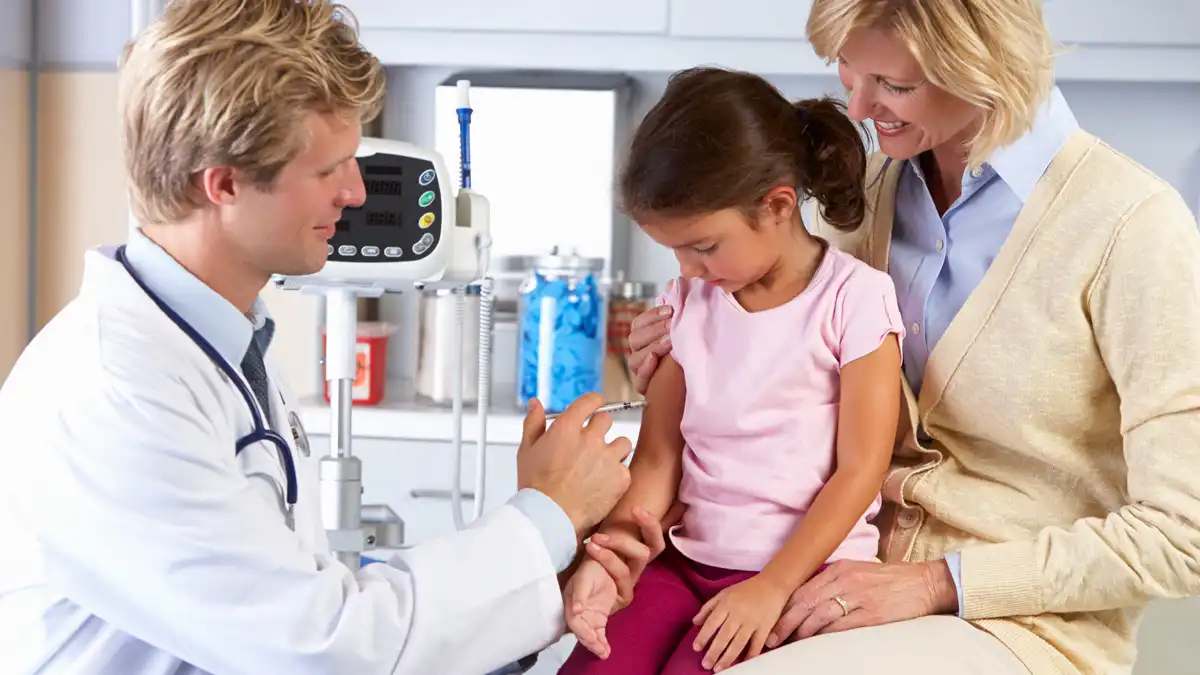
(869, 313)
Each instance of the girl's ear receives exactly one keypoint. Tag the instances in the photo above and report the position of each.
(780, 205)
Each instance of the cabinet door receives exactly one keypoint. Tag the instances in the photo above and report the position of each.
(754, 19)
(1124, 22)
(611, 16)
(393, 470)
(1112, 22)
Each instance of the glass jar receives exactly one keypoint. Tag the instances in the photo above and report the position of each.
(627, 299)
(561, 330)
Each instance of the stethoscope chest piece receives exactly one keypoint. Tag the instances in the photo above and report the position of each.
(298, 434)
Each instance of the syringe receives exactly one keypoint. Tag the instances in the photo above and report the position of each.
(610, 407)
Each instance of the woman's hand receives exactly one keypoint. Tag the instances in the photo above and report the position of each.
(589, 598)
(744, 614)
(649, 338)
(624, 557)
(874, 594)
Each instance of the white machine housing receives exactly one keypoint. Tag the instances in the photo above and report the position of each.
(412, 231)
(458, 255)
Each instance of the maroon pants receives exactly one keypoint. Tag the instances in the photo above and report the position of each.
(654, 634)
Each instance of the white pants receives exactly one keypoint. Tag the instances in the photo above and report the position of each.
(933, 645)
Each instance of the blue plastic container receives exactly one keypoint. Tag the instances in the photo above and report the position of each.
(560, 344)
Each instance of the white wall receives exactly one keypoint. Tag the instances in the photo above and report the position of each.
(1155, 124)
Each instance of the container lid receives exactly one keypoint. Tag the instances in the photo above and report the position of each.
(566, 261)
(631, 290)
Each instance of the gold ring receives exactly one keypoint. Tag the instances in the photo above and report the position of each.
(838, 599)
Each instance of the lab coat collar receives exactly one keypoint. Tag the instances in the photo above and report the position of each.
(212, 316)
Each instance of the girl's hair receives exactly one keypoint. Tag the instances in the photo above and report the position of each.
(994, 54)
(722, 139)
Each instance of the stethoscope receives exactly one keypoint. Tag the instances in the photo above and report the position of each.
(260, 433)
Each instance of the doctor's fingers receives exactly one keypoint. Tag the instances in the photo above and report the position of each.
(534, 424)
(620, 448)
(617, 566)
(577, 413)
(598, 427)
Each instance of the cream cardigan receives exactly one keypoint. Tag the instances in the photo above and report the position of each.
(1064, 406)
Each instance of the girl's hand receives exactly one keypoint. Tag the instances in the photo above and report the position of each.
(624, 557)
(589, 598)
(743, 613)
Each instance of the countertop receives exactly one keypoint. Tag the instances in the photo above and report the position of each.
(404, 416)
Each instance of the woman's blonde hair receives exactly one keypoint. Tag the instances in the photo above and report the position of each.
(230, 82)
(994, 54)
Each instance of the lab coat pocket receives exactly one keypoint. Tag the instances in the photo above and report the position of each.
(265, 474)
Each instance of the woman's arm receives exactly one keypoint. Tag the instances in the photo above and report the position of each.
(657, 464)
(1144, 307)
(867, 417)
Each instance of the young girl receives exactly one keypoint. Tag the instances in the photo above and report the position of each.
(774, 416)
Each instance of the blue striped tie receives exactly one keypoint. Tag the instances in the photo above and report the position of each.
(255, 369)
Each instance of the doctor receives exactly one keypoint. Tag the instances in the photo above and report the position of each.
(158, 513)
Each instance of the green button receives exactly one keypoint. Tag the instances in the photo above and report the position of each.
(427, 198)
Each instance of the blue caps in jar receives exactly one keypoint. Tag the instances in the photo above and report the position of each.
(561, 330)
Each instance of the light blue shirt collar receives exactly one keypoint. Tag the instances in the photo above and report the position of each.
(209, 314)
(1021, 163)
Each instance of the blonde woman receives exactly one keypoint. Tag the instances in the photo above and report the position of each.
(1045, 483)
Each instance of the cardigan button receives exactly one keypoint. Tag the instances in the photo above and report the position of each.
(909, 518)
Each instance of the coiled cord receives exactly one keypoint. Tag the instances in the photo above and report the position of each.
(486, 301)
(460, 313)
(484, 363)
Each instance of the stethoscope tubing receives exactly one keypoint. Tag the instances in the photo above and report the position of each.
(260, 433)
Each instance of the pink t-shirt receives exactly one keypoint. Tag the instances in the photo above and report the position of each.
(760, 420)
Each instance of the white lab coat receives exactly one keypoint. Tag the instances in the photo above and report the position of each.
(135, 543)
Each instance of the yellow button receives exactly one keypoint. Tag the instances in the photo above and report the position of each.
(426, 220)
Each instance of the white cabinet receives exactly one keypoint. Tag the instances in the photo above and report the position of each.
(1116, 40)
(1123, 22)
(537, 16)
(1085, 22)
(393, 469)
(745, 19)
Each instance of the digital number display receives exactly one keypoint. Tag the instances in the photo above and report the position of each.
(386, 188)
(387, 218)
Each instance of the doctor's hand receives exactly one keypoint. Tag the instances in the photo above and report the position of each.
(589, 598)
(572, 463)
(625, 556)
(649, 338)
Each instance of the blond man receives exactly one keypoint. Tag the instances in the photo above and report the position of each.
(147, 529)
